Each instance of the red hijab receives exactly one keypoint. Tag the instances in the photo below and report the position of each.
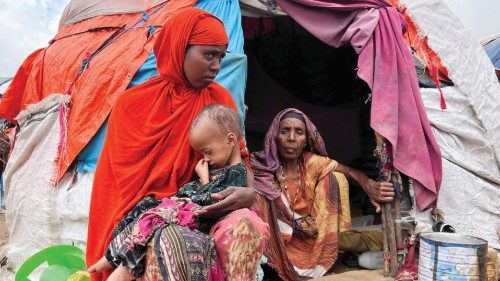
(146, 151)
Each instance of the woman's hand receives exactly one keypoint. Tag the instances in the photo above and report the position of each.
(230, 199)
(379, 192)
(202, 171)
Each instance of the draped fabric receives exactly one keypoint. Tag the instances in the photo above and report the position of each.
(319, 206)
(374, 29)
(324, 198)
(146, 150)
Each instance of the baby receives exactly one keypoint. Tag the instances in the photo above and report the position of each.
(215, 133)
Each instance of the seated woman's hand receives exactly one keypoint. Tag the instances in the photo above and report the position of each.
(230, 199)
(379, 192)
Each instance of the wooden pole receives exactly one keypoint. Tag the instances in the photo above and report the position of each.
(391, 239)
(397, 217)
(385, 241)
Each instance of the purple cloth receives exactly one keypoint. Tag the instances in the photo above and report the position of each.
(265, 163)
(374, 29)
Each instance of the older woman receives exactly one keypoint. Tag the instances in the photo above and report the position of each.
(303, 195)
(146, 156)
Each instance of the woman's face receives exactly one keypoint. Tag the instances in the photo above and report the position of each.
(202, 64)
(291, 138)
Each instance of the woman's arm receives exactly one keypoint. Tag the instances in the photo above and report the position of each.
(230, 199)
(378, 192)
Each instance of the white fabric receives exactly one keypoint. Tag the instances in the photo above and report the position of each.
(28, 180)
(467, 63)
(468, 132)
(72, 209)
(470, 190)
(38, 214)
(315, 272)
(260, 8)
(78, 10)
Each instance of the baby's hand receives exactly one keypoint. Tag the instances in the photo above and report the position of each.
(202, 171)
(100, 266)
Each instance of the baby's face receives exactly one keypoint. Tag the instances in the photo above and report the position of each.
(215, 148)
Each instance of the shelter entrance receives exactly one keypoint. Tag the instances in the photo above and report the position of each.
(289, 67)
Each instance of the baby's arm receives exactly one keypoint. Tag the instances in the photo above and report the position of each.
(202, 171)
(100, 266)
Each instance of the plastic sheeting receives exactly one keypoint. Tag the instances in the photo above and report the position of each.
(471, 178)
(260, 8)
(28, 180)
(78, 10)
(468, 132)
(468, 65)
(39, 215)
(105, 77)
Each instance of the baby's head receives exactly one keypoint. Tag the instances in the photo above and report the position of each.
(215, 133)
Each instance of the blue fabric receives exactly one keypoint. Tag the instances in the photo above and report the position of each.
(87, 159)
(233, 76)
(146, 71)
(233, 73)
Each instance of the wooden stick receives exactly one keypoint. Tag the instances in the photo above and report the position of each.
(397, 221)
(391, 238)
(385, 241)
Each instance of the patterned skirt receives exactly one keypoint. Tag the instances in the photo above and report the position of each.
(169, 252)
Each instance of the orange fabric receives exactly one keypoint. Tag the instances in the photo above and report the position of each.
(52, 69)
(146, 150)
(208, 30)
(419, 44)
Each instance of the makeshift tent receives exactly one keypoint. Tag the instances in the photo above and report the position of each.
(127, 60)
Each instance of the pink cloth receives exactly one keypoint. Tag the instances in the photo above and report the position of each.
(374, 29)
(168, 210)
(240, 238)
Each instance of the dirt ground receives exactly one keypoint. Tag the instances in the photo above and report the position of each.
(354, 275)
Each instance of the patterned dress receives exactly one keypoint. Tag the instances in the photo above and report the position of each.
(182, 248)
(309, 220)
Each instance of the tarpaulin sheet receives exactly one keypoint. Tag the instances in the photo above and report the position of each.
(54, 68)
(78, 10)
(468, 66)
(471, 177)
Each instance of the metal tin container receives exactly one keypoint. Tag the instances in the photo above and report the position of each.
(450, 256)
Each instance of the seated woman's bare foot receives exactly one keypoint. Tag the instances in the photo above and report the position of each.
(100, 266)
(121, 273)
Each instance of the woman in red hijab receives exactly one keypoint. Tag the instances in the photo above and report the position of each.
(146, 153)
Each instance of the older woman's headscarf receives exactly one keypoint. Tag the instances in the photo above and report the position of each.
(146, 151)
(266, 162)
